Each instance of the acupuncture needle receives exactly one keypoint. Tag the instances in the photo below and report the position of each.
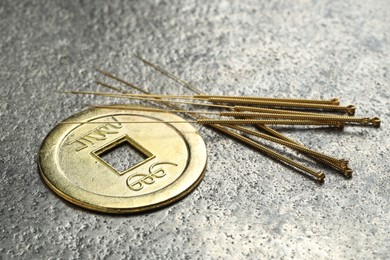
(374, 121)
(268, 102)
(200, 93)
(105, 73)
(331, 161)
(212, 121)
(346, 119)
(235, 114)
(335, 163)
(238, 121)
(317, 175)
(284, 111)
(128, 84)
(171, 76)
(334, 101)
(235, 108)
(343, 169)
(263, 127)
(155, 109)
(350, 109)
(128, 96)
(334, 119)
(180, 81)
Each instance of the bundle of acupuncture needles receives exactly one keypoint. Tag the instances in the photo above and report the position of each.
(243, 117)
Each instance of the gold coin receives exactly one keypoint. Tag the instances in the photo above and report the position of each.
(170, 160)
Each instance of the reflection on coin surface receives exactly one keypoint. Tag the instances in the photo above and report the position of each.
(81, 162)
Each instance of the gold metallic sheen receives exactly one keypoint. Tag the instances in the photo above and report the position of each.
(174, 160)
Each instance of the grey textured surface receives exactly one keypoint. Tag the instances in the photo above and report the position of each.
(248, 206)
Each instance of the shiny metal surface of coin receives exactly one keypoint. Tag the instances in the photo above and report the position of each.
(170, 161)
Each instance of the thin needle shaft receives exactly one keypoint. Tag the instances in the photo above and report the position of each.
(106, 94)
(105, 73)
(125, 122)
(157, 109)
(209, 121)
(110, 87)
(170, 75)
(128, 84)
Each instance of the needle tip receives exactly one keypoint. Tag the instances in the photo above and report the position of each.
(138, 56)
(64, 92)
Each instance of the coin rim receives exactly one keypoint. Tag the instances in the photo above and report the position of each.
(183, 190)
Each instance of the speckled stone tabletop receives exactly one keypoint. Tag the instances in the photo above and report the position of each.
(248, 206)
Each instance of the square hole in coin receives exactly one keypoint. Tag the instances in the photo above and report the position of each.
(123, 155)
